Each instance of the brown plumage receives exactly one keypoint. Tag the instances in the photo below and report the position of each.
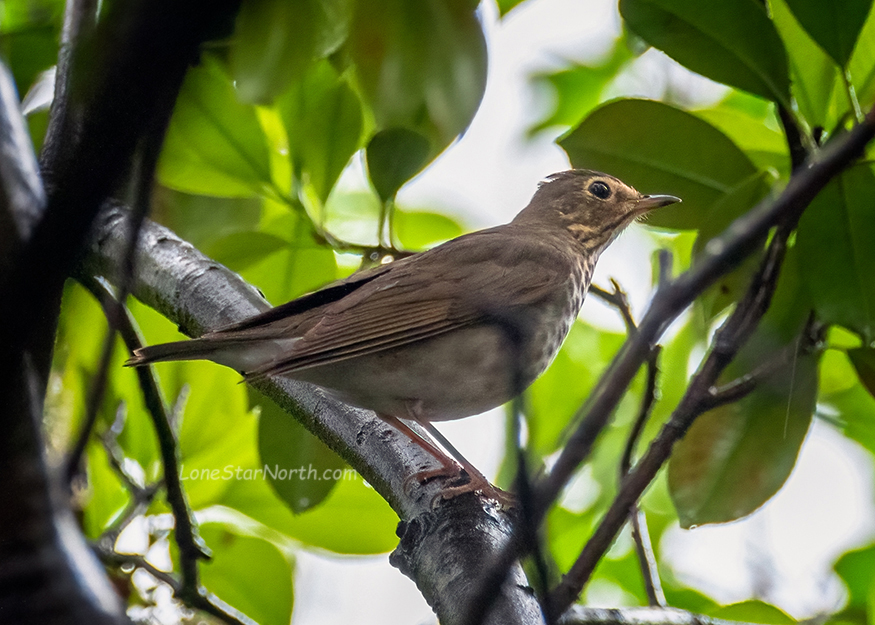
(447, 333)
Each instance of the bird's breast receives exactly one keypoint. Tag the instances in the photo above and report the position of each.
(552, 321)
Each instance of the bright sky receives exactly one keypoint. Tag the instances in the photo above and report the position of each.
(485, 179)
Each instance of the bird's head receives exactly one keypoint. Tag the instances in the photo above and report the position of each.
(593, 207)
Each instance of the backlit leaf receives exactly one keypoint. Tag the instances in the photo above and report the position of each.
(737, 456)
(422, 64)
(834, 25)
(815, 75)
(323, 120)
(214, 144)
(249, 573)
(577, 90)
(732, 42)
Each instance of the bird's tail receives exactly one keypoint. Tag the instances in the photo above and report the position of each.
(195, 349)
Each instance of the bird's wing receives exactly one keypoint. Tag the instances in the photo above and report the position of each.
(457, 284)
(277, 320)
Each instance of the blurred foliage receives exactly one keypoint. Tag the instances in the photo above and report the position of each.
(264, 127)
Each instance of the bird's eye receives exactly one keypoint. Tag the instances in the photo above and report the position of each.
(600, 190)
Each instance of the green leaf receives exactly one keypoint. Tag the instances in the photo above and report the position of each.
(732, 42)
(855, 407)
(107, 497)
(214, 145)
(353, 519)
(862, 64)
(660, 149)
(737, 456)
(753, 611)
(815, 75)
(837, 373)
(300, 468)
(764, 145)
(353, 216)
(422, 65)
(249, 573)
(863, 359)
(417, 230)
(836, 240)
(217, 437)
(240, 250)
(394, 156)
(29, 52)
(273, 41)
(578, 89)
(834, 25)
(857, 570)
(505, 6)
(323, 120)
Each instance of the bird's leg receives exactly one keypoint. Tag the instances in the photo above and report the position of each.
(448, 468)
(478, 481)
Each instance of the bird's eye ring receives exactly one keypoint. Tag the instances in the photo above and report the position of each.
(600, 190)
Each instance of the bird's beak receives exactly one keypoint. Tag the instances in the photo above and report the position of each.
(649, 202)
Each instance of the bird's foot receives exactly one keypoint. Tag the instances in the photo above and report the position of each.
(447, 471)
(479, 485)
(461, 482)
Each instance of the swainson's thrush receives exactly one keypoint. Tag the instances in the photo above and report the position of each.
(445, 334)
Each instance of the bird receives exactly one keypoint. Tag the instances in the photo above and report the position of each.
(446, 333)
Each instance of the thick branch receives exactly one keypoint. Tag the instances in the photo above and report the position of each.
(47, 574)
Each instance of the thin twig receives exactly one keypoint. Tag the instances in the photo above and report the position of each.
(141, 496)
(648, 399)
(372, 253)
(205, 602)
(742, 386)
(646, 559)
(640, 534)
(618, 299)
(96, 390)
(191, 548)
(643, 548)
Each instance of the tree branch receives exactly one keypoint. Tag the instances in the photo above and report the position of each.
(727, 342)
(47, 574)
(581, 615)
